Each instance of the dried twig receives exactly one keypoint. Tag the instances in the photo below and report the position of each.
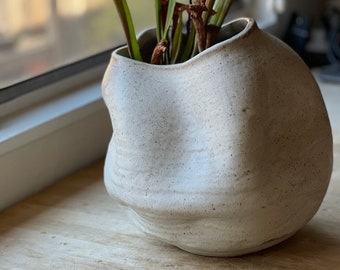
(160, 49)
(196, 14)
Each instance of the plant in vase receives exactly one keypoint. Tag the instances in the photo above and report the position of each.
(183, 29)
(221, 144)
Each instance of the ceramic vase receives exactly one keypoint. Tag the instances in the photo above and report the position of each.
(222, 155)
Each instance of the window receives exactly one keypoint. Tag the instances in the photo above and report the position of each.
(37, 36)
(56, 48)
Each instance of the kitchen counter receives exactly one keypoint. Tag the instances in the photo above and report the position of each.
(74, 224)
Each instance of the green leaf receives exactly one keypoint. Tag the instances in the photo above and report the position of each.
(221, 7)
(190, 44)
(129, 30)
(170, 13)
(210, 5)
(177, 40)
(159, 30)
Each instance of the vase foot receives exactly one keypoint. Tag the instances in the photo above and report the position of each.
(236, 252)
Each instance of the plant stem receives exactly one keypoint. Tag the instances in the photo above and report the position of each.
(189, 45)
(129, 30)
(209, 4)
(196, 14)
(159, 24)
(158, 52)
(177, 39)
(169, 15)
(221, 8)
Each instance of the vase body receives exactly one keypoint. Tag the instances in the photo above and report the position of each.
(225, 154)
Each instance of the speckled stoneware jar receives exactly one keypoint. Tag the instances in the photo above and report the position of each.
(225, 154)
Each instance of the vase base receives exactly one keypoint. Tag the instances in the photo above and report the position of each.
(200, 241)
(236, 252)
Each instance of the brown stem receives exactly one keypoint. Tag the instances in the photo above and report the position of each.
(196, 14)
(158, 52)
(211, 32)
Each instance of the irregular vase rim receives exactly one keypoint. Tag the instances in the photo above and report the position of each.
(250, 24)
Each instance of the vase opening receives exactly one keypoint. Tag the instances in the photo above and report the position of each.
(234, 28)
(147, 39)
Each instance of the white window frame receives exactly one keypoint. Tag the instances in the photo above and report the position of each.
(58, 127)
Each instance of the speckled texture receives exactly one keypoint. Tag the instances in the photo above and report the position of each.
(225, 154)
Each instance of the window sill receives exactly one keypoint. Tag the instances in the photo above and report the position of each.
(49, 140)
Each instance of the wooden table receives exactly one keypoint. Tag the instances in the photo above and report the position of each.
(75, 225)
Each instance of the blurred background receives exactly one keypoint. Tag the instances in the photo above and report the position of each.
(310, 27)
(37, 36)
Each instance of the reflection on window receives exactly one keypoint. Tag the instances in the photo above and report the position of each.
(39, 35)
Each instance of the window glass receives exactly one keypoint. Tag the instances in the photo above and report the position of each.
(37, 36)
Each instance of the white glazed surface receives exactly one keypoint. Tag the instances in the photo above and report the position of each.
(225, 154)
